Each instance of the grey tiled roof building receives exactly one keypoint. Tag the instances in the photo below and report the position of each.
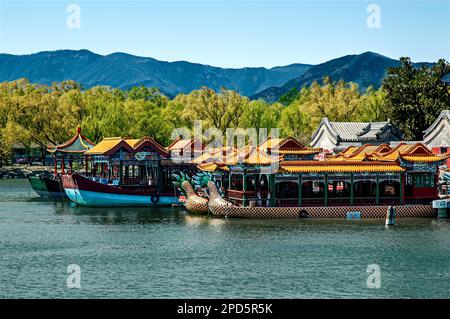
(337, 136)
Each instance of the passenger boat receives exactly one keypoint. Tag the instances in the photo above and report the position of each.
(283, 178)
(67, 155)
(124, 172)
(38, 185)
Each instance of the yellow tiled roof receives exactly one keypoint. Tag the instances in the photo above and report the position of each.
(341, 168)
(133, 142)
(271, 142)
(349, 150)
(252, 156)
(208, 167)
(362, 153)
(182, 144)
(305, 151)
(424, 158)
(215, 155)
(407, 152)
(105, 145)
(109, 143)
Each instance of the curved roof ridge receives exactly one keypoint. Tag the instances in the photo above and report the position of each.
(445, 114)
(328, 125)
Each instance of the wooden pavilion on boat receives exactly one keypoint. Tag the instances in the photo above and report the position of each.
(68, 156)
(70, 152)
(127, 162)
(283, 172)
(124, 172)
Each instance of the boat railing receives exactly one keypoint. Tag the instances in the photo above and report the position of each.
(139, 182)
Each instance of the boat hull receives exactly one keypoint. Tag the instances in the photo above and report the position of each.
(38, 186)
(54, 187)
(407, 211)
(86, 192)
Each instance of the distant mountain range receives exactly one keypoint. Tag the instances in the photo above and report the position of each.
(366, 69)
(123, 71)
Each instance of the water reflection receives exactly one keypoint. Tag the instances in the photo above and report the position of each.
(120, 215)
(196, 221)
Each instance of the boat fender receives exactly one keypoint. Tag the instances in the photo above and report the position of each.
(155, 199)
(303, 214)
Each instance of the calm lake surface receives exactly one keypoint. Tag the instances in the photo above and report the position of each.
(167, 253)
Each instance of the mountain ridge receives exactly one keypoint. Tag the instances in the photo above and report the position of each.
(365, 69)
(124, 70)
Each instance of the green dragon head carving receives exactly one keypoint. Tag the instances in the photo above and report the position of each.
(178, 179)
(199, 181)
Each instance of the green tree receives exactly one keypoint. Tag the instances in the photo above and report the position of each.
(338, 101)
(372, 106)
(415, 96)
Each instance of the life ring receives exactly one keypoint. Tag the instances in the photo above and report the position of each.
(154, 199)
(303, 214)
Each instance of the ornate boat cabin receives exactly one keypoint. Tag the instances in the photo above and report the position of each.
(121, 171)
(283, 172)
(68, 157)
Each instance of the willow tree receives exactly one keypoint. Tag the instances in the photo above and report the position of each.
(372, 106)
(104, 113)
(338, 101)
(293, 122)
(220, 110)
(259, 114)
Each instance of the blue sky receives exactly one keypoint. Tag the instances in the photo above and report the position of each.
(230, 33)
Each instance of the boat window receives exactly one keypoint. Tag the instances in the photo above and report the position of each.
(423, 180)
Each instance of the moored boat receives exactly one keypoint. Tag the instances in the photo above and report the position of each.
(96, 192)
(38, 185)
(54, 187)
(124, 172)
(291, 180)
(66, 155)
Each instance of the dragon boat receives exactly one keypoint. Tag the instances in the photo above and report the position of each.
(284, 179)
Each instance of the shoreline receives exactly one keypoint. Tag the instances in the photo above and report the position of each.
(22, 171)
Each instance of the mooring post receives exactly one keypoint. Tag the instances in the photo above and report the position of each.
(390, 216)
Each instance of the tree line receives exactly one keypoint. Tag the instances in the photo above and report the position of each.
(34, 114)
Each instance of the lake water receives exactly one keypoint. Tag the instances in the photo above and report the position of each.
(167, 253)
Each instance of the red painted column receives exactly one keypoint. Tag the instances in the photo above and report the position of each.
(402, 202)
(63, 165)
(55, 166)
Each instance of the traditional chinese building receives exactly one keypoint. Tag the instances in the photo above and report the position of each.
(336, 136)
(437, 136)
